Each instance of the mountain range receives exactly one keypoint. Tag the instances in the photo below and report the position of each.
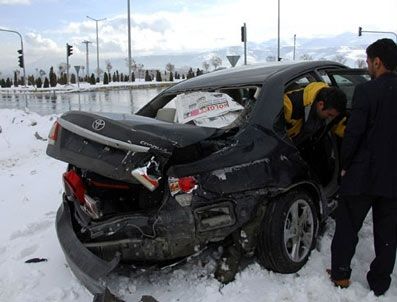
(346, 48)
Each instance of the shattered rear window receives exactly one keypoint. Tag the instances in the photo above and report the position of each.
(206, 109)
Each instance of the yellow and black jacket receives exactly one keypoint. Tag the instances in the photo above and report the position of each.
(297, 105)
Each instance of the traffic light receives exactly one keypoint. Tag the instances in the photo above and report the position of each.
(360, 29)
(20, 58)
(69, 50)
(243, 34)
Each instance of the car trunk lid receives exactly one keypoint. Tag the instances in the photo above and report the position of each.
(115, 145)
(146, 133)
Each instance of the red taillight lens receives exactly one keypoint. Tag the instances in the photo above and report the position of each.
(187, 184)
(75, 185)
(53, 136)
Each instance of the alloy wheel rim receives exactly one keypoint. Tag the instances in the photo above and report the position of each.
(298, 230)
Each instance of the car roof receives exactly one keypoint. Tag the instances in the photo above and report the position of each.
(250, 74)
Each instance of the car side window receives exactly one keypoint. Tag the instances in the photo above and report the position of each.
(346, 80)
(297, 83)
(347, 86)
(300, 82)
(325, 77)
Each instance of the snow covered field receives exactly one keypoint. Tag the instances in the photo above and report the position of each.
(30, 187)
(84, 86)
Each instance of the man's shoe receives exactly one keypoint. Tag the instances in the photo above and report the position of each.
(379, 285)
(342, 283)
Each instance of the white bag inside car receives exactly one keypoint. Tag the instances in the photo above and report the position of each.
(206, 109)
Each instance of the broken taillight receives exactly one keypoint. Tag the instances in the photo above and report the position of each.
(184, 184)
(74, 185)
(92, 207)
(187, 184)
(148, 175)
(53, 136)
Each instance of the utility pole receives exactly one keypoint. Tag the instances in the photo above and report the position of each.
(278, 33)
(21, 52)
(86, 58)
(129, 44)
(294, 46)
(97, 43)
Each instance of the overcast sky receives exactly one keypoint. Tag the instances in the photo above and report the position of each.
(181, 25)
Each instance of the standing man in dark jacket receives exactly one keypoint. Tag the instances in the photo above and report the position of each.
(369, 175)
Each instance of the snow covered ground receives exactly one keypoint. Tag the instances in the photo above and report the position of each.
(30, 187)
(84, 86)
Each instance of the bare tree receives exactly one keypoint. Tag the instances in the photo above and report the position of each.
(109, 66)
(132, 62)
(361, 63)
(306, 57)
(170, 67)
(42, 73)
(99, 71)
(216, 61)
(206, 65)
(136, 67)
(61, 68)
(340, 58)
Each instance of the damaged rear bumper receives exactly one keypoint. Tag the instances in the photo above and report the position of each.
(86, 266)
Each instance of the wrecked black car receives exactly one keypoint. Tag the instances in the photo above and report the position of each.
(207, 158)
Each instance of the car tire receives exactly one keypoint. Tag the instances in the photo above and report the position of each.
(288, 232)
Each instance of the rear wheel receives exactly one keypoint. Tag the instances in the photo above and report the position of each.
(288, 232)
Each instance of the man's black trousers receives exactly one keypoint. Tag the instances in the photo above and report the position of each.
(349, 218)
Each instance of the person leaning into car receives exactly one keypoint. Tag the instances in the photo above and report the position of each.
(307, 109)
(369, 172)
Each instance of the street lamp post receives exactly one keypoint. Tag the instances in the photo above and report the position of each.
(278, 32)
(97, 43)
(294, 47)
(129, 44)
(360, 31)
(22, 52)
(87, 64)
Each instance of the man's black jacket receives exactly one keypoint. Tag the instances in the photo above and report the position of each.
(369, 148)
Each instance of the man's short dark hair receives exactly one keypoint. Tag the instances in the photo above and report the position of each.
(333, 98)
(386, 51)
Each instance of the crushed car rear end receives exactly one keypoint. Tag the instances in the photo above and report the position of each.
(139, 189)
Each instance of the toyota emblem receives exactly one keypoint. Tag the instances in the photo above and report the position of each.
(98, 125)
